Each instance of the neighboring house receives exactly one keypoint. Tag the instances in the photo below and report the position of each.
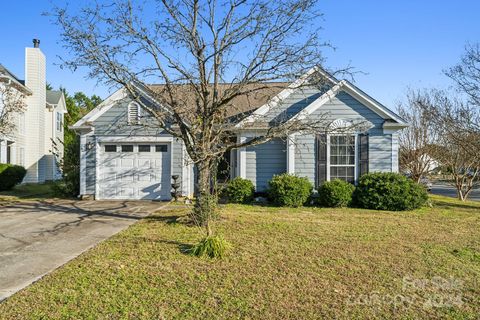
(37, 141)
(121, 159)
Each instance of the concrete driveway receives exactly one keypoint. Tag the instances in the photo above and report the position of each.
(38, 237)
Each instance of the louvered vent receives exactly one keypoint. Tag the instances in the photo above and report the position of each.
(133, 113)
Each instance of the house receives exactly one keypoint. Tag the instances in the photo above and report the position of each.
(122, 160)
(37, 140)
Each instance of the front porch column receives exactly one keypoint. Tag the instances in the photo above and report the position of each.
(3, 151)
(242, 159)
(291, 154)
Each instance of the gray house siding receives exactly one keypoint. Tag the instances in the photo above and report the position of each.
(115, 122)
(344, 106)
(295, 102)
(380, 153)
(177, 157)
(305, 156)
(264, 161)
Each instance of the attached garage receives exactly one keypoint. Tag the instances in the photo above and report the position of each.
(134, 170)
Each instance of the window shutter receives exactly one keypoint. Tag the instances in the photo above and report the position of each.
(321, 159)
(363, 153)
(133, 113)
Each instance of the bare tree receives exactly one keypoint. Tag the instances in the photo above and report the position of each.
(415, 142)
(466, 74)
(457, 140)
(208, 55)
(12, 104)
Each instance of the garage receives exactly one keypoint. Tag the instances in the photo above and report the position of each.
(134, 170)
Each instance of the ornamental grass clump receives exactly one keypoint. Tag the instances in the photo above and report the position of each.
(212, 247)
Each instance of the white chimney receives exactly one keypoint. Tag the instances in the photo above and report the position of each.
(35, 80)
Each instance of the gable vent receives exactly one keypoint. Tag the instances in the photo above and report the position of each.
(133, 113)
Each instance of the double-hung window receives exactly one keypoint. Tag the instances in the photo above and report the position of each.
(342, 157)
(59, 122)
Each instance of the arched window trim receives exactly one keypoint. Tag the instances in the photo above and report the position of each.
(133, 113)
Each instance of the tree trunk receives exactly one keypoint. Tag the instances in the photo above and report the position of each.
(206, 203)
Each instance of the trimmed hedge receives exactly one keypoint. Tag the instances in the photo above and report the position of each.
(289, 190)
(336, 193)
(389, 191)
(10, 175)
(240, 190)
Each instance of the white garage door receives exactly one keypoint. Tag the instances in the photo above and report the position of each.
(134, 171)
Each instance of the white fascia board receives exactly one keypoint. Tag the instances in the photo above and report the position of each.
(371, 103)
(122, 139)
(101, 108)
(63, 104)
(283, 95)
(392, 127)
(324, 98)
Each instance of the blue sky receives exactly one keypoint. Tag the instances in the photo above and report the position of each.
(395, 43)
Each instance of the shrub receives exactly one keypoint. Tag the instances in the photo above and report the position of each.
(240, 190)
(289, 190)
(336, 193)
(389, 191)
(212, 247)
(11, 175)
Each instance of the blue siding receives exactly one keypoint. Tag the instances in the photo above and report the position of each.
(344, 106)
(295, 102)
(305, 156)
(380, 153)
(264, 161)
(115, 122)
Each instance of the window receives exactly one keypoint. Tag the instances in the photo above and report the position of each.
(59, 121)
(133, 113)
(110, 148)
(144, 148)
(342, 158)
(127, 148)
(161, 148)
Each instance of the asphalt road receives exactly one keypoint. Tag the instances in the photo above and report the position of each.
(450, 191)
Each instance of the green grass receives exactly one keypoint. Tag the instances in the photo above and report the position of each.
(304, 263)
(28, 191)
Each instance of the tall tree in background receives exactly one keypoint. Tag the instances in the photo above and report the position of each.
(78, 105)
(466, 74)
(206, 54)
(415, 141)
(457, 140)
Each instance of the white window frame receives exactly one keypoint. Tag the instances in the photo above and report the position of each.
(356, 167)
(59, 121)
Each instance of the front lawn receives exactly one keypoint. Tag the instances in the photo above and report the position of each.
(304, 263)
(28, 191)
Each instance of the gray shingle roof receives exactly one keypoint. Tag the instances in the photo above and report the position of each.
(54, 96)
(19, 83)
